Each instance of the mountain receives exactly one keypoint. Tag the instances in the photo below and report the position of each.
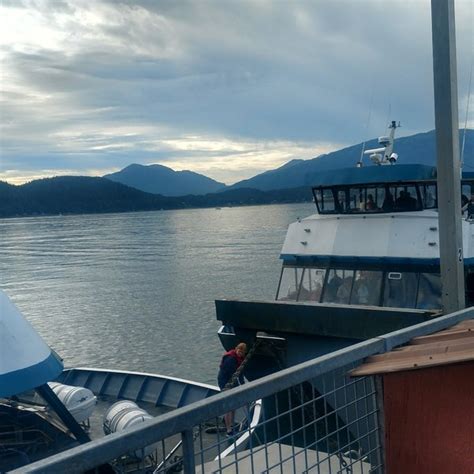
(158, 179)
(88, 195)
(75, 195)
(420, 148)
(289, 183)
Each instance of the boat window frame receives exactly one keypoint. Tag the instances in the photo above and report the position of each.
(423, 192)
(416, 275)
(425, 280)
(298, 283)
(310, 290)
(338, 188)
(368, 279)
(384, 274)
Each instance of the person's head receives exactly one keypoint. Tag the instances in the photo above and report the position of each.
(241, 349)
(370, 197)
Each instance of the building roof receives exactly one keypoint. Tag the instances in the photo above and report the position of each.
(449, 346)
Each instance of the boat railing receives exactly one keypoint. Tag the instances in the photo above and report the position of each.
(316, 418)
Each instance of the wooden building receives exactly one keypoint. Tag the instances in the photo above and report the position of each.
(428, 402)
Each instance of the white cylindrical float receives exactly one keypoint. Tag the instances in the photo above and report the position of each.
(79, 401)
(123, 415)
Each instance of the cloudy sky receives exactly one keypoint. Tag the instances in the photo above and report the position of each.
(224, 88)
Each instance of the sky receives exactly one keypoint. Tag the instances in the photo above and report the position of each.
(227, 88)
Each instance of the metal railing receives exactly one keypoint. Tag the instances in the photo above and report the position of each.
(315, 418)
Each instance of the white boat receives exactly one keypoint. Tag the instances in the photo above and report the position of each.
(365, 264)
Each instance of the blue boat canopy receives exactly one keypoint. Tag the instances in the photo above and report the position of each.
(372, 175)
(26, 361)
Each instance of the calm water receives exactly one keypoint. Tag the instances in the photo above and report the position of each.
(136, 291)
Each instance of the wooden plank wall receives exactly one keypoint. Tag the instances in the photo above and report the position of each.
(429, 416)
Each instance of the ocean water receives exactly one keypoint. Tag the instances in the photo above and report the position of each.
(136, 291)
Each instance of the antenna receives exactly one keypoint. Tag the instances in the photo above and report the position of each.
(359, 163)
(384, 155)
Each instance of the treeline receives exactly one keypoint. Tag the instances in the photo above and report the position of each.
(90, 195)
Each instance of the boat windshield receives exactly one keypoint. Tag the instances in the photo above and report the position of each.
(382, 197)
(375, 198)
(360, 287)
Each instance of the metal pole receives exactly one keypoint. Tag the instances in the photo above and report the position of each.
(447, 144)
(188, 451)
(51, 398)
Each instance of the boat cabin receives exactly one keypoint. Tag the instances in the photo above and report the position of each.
(385, 280)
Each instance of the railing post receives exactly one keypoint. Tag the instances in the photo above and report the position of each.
(380, 417)
(188, 452)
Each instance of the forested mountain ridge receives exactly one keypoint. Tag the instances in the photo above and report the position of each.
(89, 195)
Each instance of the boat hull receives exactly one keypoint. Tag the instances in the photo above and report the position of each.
(286, 334)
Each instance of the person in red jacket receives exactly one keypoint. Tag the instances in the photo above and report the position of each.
(230, 362)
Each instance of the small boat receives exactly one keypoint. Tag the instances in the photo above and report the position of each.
(46, 409)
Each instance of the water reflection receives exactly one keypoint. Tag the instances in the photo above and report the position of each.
(136, 291)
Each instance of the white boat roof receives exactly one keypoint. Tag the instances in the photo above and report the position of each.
(26, 361)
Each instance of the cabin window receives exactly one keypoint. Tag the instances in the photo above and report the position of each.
(370, 200)
(366, 288)
(338, 286)
(400, 290)
(429, 291)
(328, 200)
(289, 283)
(466, 192)
(428, 194)
(467, 189)
(342, 204)
(375, 198)
(312, 285)
(388, 200)
(356, 199)
(470, 289)
(406, 198)
(383, 197)
(325, 201)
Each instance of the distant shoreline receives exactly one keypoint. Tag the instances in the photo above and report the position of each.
(71, 214)
(83, 195)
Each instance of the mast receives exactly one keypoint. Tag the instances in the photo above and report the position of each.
(383, 155)
(447, 145)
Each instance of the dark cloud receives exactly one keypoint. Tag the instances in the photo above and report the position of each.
(110, 82)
